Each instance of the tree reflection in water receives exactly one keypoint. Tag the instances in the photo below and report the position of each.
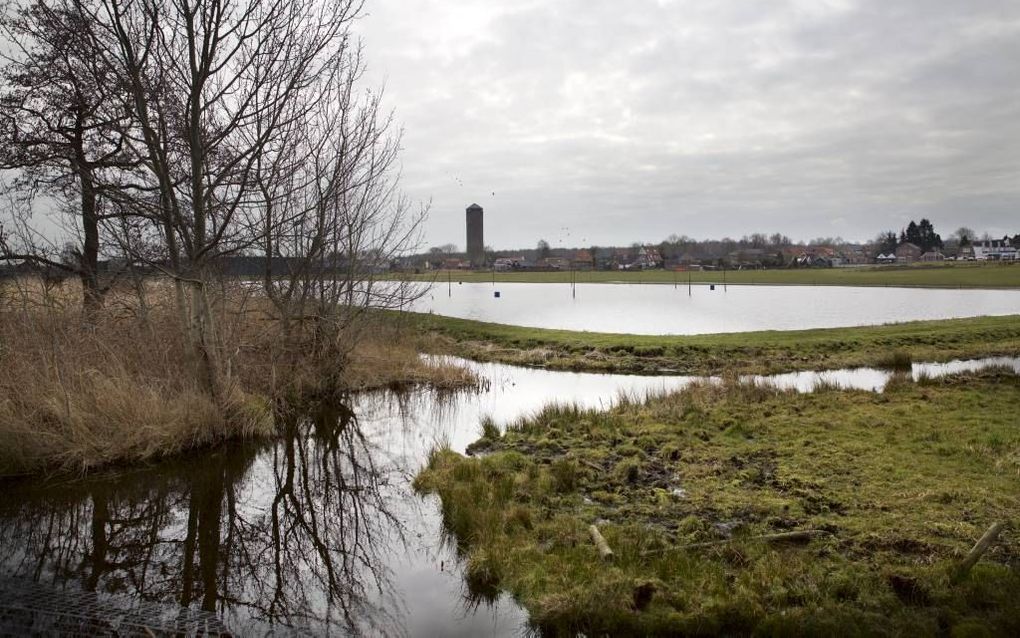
(291, 533)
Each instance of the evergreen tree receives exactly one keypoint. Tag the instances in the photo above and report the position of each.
(922, 235)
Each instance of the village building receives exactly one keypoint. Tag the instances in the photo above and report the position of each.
(554, 263)
(995, 250)
(583, 260)
(907, 253)
(620, 259)
(648, 257)
(455, 263)
(854, 255)
(933, 255)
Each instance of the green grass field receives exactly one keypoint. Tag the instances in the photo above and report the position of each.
(962, 275)
(897, 488)
(749, 352)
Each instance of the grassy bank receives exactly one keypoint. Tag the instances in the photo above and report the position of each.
(122, 387)
(750, 352)
(898, 486)
(948, 275)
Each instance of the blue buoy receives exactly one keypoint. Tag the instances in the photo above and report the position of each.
(496, 294)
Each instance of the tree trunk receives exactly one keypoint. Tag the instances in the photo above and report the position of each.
(203, 334)
(89, 267)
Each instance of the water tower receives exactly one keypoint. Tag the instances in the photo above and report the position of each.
(475, 238)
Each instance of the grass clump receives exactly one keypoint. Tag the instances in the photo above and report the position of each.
(490, 431)
(564, 474)
(899, 485)
(897, 360)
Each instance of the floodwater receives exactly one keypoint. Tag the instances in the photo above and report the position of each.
(661, 309)
(318, 532)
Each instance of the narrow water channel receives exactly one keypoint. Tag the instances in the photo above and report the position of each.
(317, 532)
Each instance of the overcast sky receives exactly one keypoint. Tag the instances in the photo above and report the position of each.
(606, 122)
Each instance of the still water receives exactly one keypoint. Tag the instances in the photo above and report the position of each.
(662, 309)
(317, 532)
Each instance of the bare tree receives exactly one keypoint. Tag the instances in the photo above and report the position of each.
(331, 215)
(964, 235)
(192, 131)
(253, 137)
(61, 113)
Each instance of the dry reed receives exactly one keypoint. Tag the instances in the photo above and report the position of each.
(122, 386)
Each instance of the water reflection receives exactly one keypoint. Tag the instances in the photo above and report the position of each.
(291, 534)
(875, 380)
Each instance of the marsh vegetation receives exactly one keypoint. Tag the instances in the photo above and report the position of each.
(122, 387)
(895, 488)
(748, 353)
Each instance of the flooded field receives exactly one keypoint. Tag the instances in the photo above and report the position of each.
(317, 531)
(664, 309)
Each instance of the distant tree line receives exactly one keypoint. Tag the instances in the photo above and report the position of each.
(768, 250)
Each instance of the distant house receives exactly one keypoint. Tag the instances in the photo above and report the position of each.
(621, 259)
(815, 257)
(454, 263)
(886, 259)
(511, 263)
(747, 258)
(583, 260)
(995, 250)
(933, 255)
(907, 253)
(647, 257)
(554, 263)
(854, 255)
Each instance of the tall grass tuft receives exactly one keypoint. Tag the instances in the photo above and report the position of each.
(489, 429)
(897, 360)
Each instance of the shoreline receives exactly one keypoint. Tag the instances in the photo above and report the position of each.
(763, 352)
(993, 276)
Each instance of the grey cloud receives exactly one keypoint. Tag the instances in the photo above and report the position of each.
(630, 122)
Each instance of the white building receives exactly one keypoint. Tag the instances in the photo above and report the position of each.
(994, 250)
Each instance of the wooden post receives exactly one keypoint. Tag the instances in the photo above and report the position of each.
(605, 552)
(979, 549)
